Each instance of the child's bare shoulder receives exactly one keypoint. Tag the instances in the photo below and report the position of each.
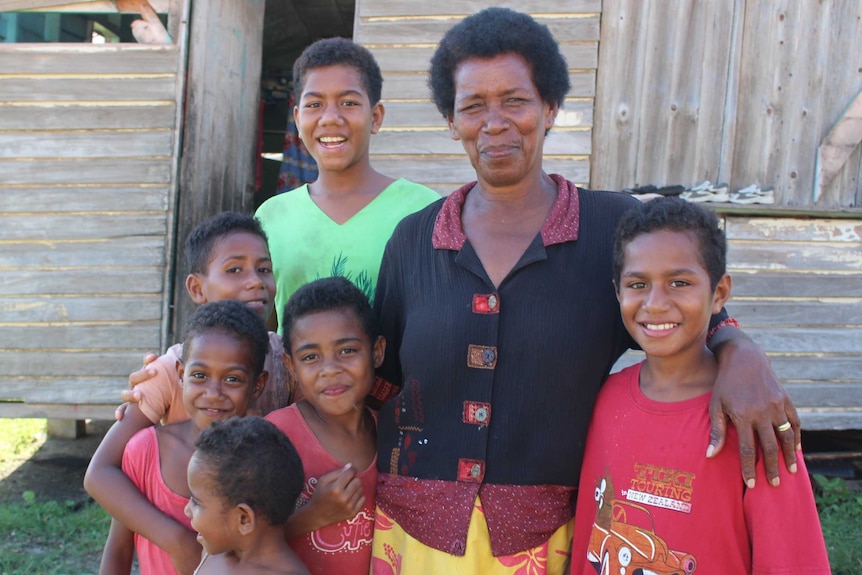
(287, 564)
(175, 434)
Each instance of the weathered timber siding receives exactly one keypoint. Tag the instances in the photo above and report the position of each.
(797, 290)
(87, 169)
(217, 170)
(414, 142)
(741, 92)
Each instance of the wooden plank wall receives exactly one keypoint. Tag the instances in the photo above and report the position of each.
(797, 290)
(741, 92)
(414, 142)
(86, 171)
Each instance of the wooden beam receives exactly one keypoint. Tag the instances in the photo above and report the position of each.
(838, 145)
(10, 5)
(92, 6)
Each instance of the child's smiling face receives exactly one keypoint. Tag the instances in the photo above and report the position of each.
(218, 377)
(207, 509)
(335, 117)
(239, 268)
(333, 359)
(665, 295)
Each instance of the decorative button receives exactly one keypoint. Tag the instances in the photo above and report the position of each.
(471, 470)
(486, 303)
(477, 413)
(482, 356)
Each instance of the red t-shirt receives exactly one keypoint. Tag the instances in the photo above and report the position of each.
(345, 547)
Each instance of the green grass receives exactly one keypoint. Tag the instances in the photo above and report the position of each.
(51, 537)
(44, 537)
(841, 519)
(20, 438)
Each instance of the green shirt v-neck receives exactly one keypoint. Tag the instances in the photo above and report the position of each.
(306, 244)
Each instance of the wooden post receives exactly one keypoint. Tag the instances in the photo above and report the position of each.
(217, 169)
(67, 428)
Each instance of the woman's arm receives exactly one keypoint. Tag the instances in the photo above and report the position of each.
(748, 392)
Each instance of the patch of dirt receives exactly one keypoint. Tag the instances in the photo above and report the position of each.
(56, 470)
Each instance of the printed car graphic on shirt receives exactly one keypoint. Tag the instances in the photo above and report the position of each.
(623, 541)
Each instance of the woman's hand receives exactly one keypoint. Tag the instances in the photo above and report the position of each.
(748, 392)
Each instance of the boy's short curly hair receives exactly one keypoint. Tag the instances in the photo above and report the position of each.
(253, 462)
(492, 32)
(232, 317)
(328, 294)
(339, 52)
(676, 215)
(203, 237)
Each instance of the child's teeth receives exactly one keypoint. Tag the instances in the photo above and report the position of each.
(660, 326)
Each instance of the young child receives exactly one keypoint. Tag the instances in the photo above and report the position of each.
(340, 223)
(228, 258)
(649, 501)
(332, 350)
(221, 373)
(244, 479)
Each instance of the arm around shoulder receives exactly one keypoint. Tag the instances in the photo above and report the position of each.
(748, 392)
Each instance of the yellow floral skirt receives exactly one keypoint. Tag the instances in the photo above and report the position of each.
(394, 552)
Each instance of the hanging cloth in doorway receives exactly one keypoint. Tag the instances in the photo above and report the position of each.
(297, 166)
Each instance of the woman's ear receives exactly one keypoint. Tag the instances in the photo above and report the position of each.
(453, 133)
(551, 116)
(722, 293)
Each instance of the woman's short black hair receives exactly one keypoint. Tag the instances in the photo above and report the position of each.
(676, 215)
(328, 294)
(489, 33)
(339, 52)
(253, 462)
(232, 317)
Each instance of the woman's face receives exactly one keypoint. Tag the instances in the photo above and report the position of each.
(500, 118)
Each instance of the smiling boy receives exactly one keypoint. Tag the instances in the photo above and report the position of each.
(228, 259)
(339, 224)
(658, 505)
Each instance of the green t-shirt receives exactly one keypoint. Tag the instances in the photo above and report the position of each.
(306, 244)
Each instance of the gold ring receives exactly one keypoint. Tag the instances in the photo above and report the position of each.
(784, 426)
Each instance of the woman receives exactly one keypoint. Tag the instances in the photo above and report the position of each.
(501, 322)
